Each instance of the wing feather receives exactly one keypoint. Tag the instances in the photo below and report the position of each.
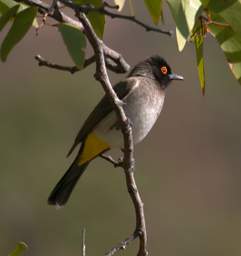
(102, 109)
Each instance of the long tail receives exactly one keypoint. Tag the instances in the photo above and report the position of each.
(90, 148)
(63, 189)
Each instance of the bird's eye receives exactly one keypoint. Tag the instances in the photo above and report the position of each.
(164, 70)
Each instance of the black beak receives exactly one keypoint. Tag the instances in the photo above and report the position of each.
(175, 77)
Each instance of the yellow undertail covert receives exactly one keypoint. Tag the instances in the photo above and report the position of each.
(93, 146)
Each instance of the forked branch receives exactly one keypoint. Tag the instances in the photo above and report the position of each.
(114, 60)
(104, 57)
(128, 160)
(73, 69)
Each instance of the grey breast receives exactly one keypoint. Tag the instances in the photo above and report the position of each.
(143, 106)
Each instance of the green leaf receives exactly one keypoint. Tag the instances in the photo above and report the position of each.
(23, 7)
(155, 9)
(191, 9)
(6, 4)
(184, 13)
(20, 27)
(198, 41)
(236, 70)
(7, 16)
(3, 8)
(97, 20)
(230, 43)
(35, 23)
(230, 10)
(181, 40)
(178, 15)
(232, 16)
(220, 5)
(120, 3)
(75, 42)
(19, 249)
(205, 2)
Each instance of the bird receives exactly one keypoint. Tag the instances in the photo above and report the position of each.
(142, 93)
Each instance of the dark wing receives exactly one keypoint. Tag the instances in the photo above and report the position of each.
(103, 108)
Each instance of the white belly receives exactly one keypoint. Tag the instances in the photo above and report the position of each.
(111, 135)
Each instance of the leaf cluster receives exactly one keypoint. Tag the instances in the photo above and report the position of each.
(194, 19)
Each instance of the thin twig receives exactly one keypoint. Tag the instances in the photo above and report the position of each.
(123, 245)
(73, 69)
(111, 6)
(86, 8)
(46, 63)
(110, 159)
(148, 28)
(83, 242)
(209, 21)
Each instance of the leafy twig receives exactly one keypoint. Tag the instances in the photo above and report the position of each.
(117, 64)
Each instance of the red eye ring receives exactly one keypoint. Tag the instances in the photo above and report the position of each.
(164, 70)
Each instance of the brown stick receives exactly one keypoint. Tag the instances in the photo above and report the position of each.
(83, 251)
(128, 161)
(73, 69)
(123, 245)
(104, 10)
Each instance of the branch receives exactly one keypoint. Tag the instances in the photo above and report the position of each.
(133, 19)
(122, 245)
(102, 53)
(116, 163)
(73, 69)
(114, 60)
(86, 8)
(128, 161)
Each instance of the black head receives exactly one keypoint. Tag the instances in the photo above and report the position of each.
(156, 68)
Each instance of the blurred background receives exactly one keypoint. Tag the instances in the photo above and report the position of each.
(188, 169)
